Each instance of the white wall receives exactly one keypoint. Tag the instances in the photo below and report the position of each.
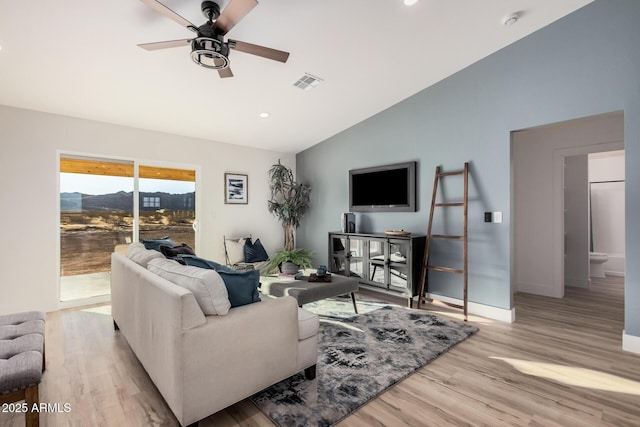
(538, 163)
(606, 175)
(576, 221)
(28, 171)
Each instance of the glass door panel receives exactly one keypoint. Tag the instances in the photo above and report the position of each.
(377, 262)
(96, 214)
(356, 257)
(338, 256)
(167, 205)
(399, 253)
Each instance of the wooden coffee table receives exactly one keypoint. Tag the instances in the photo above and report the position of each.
(305, 292)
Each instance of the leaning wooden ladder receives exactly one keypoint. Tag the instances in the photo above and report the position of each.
(425, 266)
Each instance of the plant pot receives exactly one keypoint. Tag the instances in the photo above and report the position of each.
(289, 268)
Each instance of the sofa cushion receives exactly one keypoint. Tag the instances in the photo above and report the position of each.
(242, 286)
(206, 285)
(137, 253)
(254, 251)
(155, 243)
(308, 324)
(173, 251)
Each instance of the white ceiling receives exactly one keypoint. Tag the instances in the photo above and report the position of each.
(79, 58)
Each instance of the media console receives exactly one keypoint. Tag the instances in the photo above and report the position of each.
(382, 263)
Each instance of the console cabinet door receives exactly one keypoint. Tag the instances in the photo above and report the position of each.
(399, 265)
(356, 257)
(338, 245)
(377, 261)
(347, 255)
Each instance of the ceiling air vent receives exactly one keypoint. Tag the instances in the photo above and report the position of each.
(307, 82)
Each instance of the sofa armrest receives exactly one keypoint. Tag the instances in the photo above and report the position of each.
(234, 356)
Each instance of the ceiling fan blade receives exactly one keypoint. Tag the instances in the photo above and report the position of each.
(225, 72)
(254, 49)
(159, 7)
(164, 45)
(232, 14)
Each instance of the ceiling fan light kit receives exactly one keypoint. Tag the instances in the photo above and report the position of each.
(209, 48)
(210, 53)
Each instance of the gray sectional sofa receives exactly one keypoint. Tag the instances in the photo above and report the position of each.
(204, 363)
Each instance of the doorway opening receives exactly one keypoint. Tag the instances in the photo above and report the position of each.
(538, 193)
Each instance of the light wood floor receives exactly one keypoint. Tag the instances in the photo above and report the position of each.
(560, 364)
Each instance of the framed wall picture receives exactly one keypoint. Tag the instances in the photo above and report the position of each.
(235, 189)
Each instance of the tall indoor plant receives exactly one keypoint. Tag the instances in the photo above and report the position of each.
(289, 201)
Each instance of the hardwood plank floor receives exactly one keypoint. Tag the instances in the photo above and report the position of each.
(560, 364)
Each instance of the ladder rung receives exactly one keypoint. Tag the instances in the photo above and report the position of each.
(450, 204)
(445, 269)
(451, 173)
(446, 236)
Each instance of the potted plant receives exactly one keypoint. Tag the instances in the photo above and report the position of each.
(289, 201)
(290, 261)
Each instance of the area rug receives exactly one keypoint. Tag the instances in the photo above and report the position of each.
(359, 357)
(342, 307)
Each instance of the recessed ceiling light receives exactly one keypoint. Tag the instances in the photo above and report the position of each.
(510, 19)
(264, 115)
(410, 2)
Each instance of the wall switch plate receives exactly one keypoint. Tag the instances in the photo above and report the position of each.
(497, 217)
(487, 217)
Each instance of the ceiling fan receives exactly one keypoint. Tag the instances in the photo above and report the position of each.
(208, 48)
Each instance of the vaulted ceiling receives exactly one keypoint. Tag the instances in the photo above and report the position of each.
(80, 58)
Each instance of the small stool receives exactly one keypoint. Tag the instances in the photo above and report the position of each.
(22, 360)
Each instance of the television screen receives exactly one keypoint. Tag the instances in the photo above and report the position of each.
(383, 188)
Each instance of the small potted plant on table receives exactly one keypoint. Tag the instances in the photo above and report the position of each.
(290, 262)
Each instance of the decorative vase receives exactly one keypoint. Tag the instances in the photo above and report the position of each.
(289, 268)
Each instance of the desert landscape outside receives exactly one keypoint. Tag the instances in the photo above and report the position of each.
(88, 238)
(92, 225)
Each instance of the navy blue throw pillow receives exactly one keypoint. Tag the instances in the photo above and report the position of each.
(155, 243)
(173, 251)
(242, 286)
(255, 252)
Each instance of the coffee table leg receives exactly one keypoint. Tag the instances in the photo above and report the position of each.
(353, 298)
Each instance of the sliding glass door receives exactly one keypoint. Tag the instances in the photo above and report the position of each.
(96, 214)
(105, 204)
(167, 204)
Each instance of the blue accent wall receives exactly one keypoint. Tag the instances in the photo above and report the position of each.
(582, 65)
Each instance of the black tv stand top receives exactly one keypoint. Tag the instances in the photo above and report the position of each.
(378, 235)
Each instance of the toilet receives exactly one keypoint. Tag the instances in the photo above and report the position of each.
(596, 263)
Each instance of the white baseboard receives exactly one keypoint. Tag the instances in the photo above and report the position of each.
(482, 310)
(630, 343)
(614, 273)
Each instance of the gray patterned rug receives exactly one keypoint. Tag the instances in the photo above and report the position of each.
(358, 358)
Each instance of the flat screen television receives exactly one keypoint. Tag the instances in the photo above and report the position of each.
(388, 188)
